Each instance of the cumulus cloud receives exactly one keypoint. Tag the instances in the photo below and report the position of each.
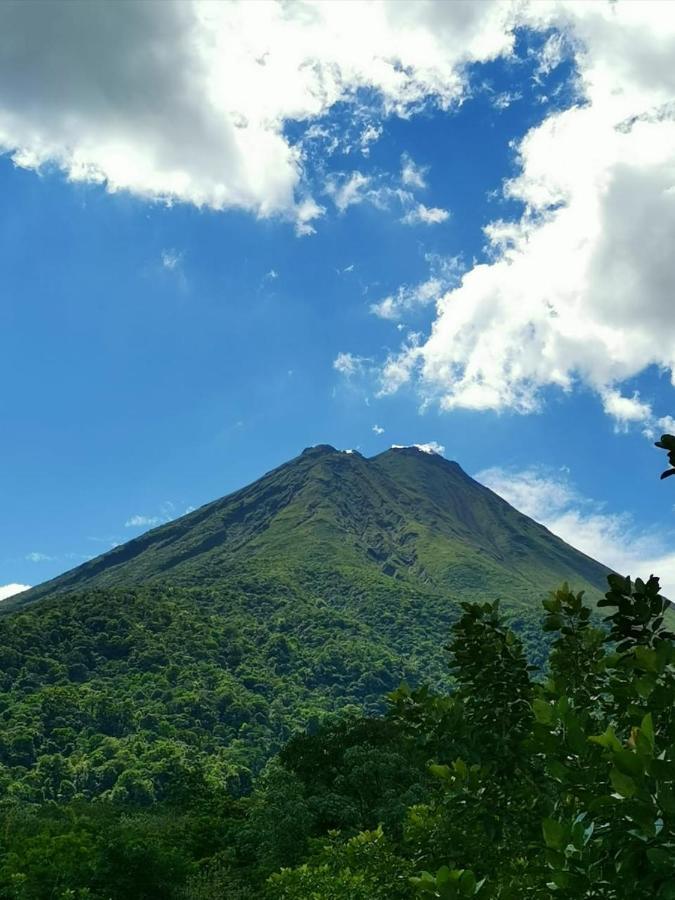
(9, 590)
(611, 538)
(378, 429)
(625, 410)
(188, 100)
(579, 289)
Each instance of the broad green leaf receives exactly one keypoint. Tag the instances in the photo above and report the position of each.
(647, 728)
(543, 711)
(629, 763)
(443, 876)
(622, 784)
(467, 884)
(607, 739)
(554, 833)
(647, 659)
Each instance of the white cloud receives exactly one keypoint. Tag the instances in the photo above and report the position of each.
(432, 447)
(171, 259)
(38, 557)
(625, 410)
(551, 55)
(9, 590)
(425, 215)
(347, 190)
(353, 188)
(347, 364)
(666, 424)
(144, 521)
(610, 538)
(579, 290)
(187, 100)
(445, 272)
(412, 175)
(408, 297)
(505, 99)
(369, 135)
(378, 429)
(305, 212)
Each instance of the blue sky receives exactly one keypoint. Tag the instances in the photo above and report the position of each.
(471, 249)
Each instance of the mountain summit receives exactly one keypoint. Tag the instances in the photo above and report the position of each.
(407, 518)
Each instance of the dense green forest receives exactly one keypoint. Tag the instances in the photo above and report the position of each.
(516, 783)
(356, 738)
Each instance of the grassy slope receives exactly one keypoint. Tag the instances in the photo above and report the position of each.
(404, 514)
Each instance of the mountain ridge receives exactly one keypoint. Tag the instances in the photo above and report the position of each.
(401, 511)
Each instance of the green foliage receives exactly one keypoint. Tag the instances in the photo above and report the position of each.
(568, 789)
(137, 726)
(156, 695)
(364, 868)
(516, 785)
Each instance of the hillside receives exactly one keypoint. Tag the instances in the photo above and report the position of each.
(406, 515)
(196, 650)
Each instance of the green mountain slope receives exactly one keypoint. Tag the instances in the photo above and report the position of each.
(405, 514)
(190, 654)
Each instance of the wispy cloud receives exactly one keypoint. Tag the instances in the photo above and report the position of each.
(347, 190)
(348, 364)
(445, 272)
(425, 215)
(614, 539)
(369, 135)
(167, 512)
(412, 175)
(39, 557)
(171, 259)
(378, 429)
(143, 521)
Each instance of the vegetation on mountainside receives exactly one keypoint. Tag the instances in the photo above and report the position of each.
(140, 696)
(512, 786)
(337, 526)
(132, 723)
(563, 787)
